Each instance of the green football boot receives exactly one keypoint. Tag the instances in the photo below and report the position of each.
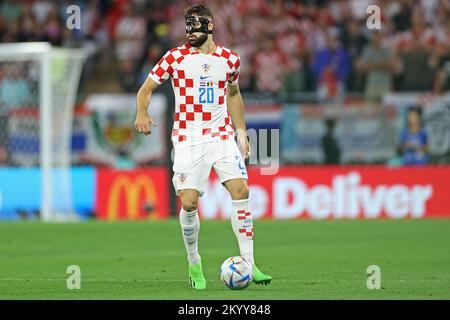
(259, 277)
(196, 278)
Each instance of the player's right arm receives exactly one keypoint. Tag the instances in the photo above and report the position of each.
(160, 73)
(143, 121)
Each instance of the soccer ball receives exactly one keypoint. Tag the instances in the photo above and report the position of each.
(236, 273)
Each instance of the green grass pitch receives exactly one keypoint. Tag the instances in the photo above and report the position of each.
(147, 260)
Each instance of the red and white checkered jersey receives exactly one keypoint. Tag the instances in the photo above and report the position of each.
(199, 82)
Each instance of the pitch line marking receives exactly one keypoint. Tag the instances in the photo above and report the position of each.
(96, 280)
(306, 282)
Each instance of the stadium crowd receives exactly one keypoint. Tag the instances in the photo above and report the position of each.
(294, 45)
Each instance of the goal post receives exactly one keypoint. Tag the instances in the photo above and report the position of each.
(38, 87)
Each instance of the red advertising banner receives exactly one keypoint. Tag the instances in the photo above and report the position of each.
(132, 194)
(369, 192)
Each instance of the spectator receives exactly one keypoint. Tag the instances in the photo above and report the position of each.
(130, 41)
(331, 67)
(53, 28)
(10, 10)
(414, 140)
(378, 63)
(330, 146)
(354, 41)
(441, 82)
(41, 10)
(130, 35)
(270, 67)
(298, 30)
(416, 72)
(319, 33)
(15, 91)
(292, 44)
(441, 61)
(28, 25)
(402, 17)
(12, 33)
(416, 47)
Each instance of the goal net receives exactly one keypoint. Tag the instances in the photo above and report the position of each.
(38, 87)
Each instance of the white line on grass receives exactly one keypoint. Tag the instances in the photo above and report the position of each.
(97, 280)
(179, 280)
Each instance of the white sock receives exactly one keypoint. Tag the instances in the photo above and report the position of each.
(190, 226)
(242, 223)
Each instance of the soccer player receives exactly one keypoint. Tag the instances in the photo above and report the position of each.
(208, 115)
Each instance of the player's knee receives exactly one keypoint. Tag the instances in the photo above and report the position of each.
(189, 200)
(240, 192)
(189, 205)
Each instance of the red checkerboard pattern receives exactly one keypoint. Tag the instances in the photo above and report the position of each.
(232, 60)
(242, 215)
(223, 132)
(193, 120)
(248, 232)
(186, 110)
(165, 67)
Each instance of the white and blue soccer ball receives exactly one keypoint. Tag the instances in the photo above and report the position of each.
(236, 273)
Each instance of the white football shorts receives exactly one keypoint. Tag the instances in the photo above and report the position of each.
(192, 164)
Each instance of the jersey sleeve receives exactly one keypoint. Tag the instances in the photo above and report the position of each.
(163, 69)
(235, 63)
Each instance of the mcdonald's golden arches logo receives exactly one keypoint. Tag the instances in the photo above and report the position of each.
(131, 187)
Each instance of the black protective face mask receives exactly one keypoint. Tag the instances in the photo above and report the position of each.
(197, 24)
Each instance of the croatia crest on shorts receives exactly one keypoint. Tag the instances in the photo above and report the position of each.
(182, 177)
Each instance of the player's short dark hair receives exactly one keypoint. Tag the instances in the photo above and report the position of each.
(200, 10)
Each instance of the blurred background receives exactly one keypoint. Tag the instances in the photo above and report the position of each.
(357, 109)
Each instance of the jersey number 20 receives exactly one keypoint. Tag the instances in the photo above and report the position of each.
(209, 92)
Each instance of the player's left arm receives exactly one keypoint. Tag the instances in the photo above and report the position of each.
(235, 106)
